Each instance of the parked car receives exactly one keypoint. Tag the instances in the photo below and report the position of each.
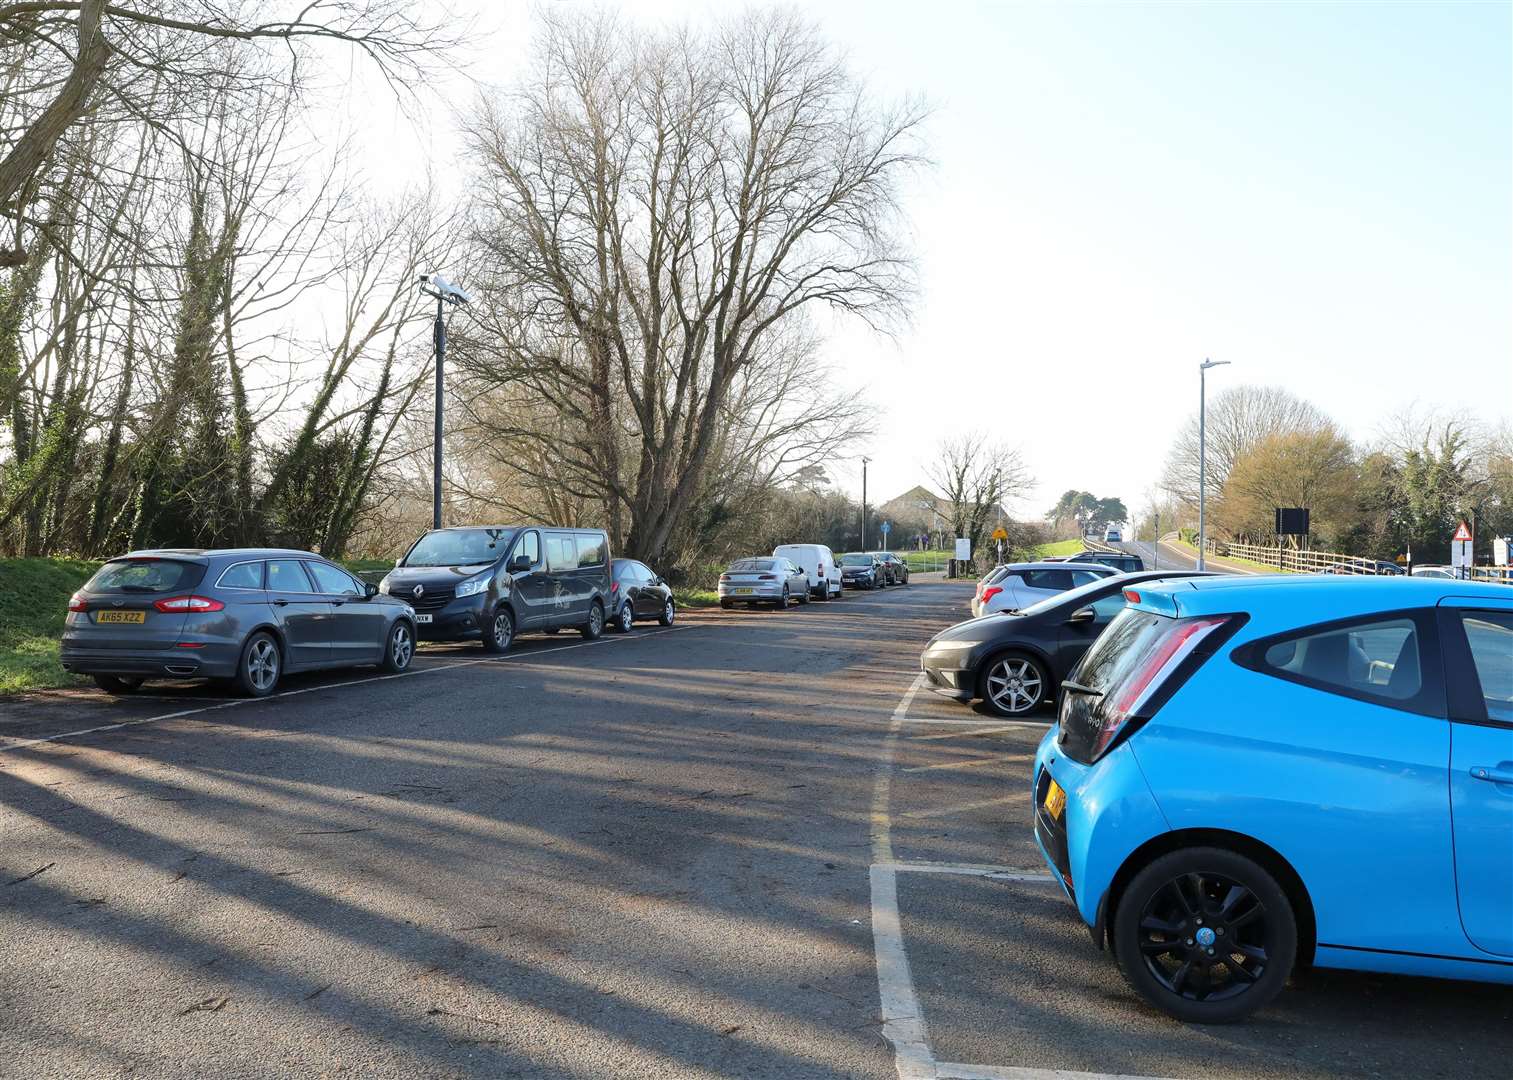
(1119, 560)
(636, 592)
(248, 615)
(1249, 774)
(773, 581)
(860, 570)
(1365, 566)
(1113, 535)
(1014, 661)
(1435, 572)
(1019, 585)
(818, 563)
(491, 582)
(895, 570)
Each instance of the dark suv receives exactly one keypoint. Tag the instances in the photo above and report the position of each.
(490, 582)
(1119, 560)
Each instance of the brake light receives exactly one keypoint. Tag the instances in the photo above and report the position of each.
(990, 592)
(76, 602)
(1132, 596)
(188, 603)
(768, 577)
(1154, 669)
(614, 586)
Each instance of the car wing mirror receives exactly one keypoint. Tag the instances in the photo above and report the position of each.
(520, 562)
(370, 589)
(1082, 615)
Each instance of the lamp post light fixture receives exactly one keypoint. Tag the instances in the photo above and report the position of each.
(445, 293)
(1203, 453)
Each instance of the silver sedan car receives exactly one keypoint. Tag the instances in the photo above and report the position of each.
(1018, 585)
(765, 580)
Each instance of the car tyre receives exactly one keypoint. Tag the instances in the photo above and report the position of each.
(625, 619)
(499, 634)
(260, 667)
(782, 604)
(1014, 684)
(804, 596)
(1242, 926)
(119, 684)
(726, 605)
(592, 629)
(399, 650)
(669, 613)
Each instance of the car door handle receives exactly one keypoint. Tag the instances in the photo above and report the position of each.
(1491, 774)
(280, 603)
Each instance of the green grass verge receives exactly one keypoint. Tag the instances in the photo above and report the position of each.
(695, 598)
(33, 604)
(1058, 547)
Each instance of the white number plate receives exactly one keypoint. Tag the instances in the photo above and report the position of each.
(422, 618)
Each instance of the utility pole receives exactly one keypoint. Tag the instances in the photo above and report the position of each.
(1156, 542)
(445, 293)
(864, 502)
(1203, 452)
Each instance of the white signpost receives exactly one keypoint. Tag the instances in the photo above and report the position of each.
(1460, 550)
(963, 549)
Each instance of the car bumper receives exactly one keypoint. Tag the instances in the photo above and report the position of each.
(460, 620)
(212, 661)
(758, 592)
(950, 674)
(858, 582)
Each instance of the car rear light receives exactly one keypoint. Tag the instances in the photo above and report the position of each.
(990, 592)
(614, 586)
(76, 602)
(1165, 656)
(1131, 596)
(768, 577)
(724, 577)
(191, 645)
(188, 603)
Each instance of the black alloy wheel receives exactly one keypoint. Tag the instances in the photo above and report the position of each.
(1206, 935)
(119, 684)
(592, 629)
(400, 649)
(499, 634)
(626, 619)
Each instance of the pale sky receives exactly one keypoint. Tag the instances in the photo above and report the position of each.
(1319, 193)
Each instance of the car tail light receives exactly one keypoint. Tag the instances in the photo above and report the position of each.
(614, 586)
(1131, 596)
(724, 577)
(1155, 668)
(76, 602)
(768, 577)
(188, 603)
(990, 592)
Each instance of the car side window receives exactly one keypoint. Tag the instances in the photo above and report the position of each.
(243, 575)
(561, 553)
(530, 547)
(1109, 606)
(288, 575)
(329, 579)
(590, 549)
(1084, 577)
(1053, 580)
(643, 573)
(1379, 658)
(1490, 635)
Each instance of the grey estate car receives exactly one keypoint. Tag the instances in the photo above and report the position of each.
(246, 614)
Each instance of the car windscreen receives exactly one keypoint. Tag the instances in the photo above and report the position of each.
(856, 560)
(750, 566)
(146, 576)
(459, 547)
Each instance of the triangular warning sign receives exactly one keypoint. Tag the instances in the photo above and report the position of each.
(1463, 534)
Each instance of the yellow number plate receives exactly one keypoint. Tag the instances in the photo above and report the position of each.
(121, 616)
(744, 592)
(1055, 801)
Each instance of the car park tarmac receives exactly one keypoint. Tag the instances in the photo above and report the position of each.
(658, 854)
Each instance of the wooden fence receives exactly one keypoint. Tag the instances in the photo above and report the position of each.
(1288, 560)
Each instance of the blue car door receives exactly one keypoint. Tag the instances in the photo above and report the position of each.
(1479, 641)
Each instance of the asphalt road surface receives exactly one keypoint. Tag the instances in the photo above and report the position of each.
(747, 846)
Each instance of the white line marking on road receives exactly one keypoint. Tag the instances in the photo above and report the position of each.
(958, 764)
(903, 1020)
(21, 744)
(959, 808)
(981, 723)
(998, 873)
(950, 1070)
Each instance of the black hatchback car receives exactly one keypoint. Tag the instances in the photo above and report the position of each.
(1015, 660)
(490, 582)
(638, 593)
(246, 614)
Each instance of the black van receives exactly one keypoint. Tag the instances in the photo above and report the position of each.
(493, 581)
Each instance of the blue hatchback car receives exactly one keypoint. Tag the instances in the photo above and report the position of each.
(1248, 774)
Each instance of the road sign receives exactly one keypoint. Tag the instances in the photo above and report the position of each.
(1000, 533)
(1462, 534)
(885, 526)
(963, 548)
(1461, 555)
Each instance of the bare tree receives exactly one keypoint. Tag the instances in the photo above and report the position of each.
(659, 208)
(975, 477)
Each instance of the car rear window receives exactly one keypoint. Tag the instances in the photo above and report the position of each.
(751, 566)
(146, 576)
(1113, 658)
(856, 560)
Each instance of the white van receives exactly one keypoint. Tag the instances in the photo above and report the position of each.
(1112, 535)
(818, 562)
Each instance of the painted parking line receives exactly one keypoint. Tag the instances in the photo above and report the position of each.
(21, 744)
(1005, 724)
(972, 764)
(950, 1070)
(997, 873)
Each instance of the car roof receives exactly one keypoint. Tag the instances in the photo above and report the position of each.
(1345, 595)
(1040, 565)
(217, 553)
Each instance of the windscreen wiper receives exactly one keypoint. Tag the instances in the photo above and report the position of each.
(1078, 688)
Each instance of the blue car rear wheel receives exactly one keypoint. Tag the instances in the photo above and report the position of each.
(1206, 935)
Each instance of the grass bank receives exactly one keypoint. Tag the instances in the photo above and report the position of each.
(1057, 547)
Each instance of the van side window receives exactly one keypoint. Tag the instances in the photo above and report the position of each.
(561, 552)
(590, 549)
(530, 547)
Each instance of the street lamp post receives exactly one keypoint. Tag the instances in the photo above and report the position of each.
(864, 502)
(1203, 453)
(445, 293)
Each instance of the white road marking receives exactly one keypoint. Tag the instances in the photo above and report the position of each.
(981, 723)
(950, 1070)
(958, 764)
(959, 808)
(997, 873)
(21, 744)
